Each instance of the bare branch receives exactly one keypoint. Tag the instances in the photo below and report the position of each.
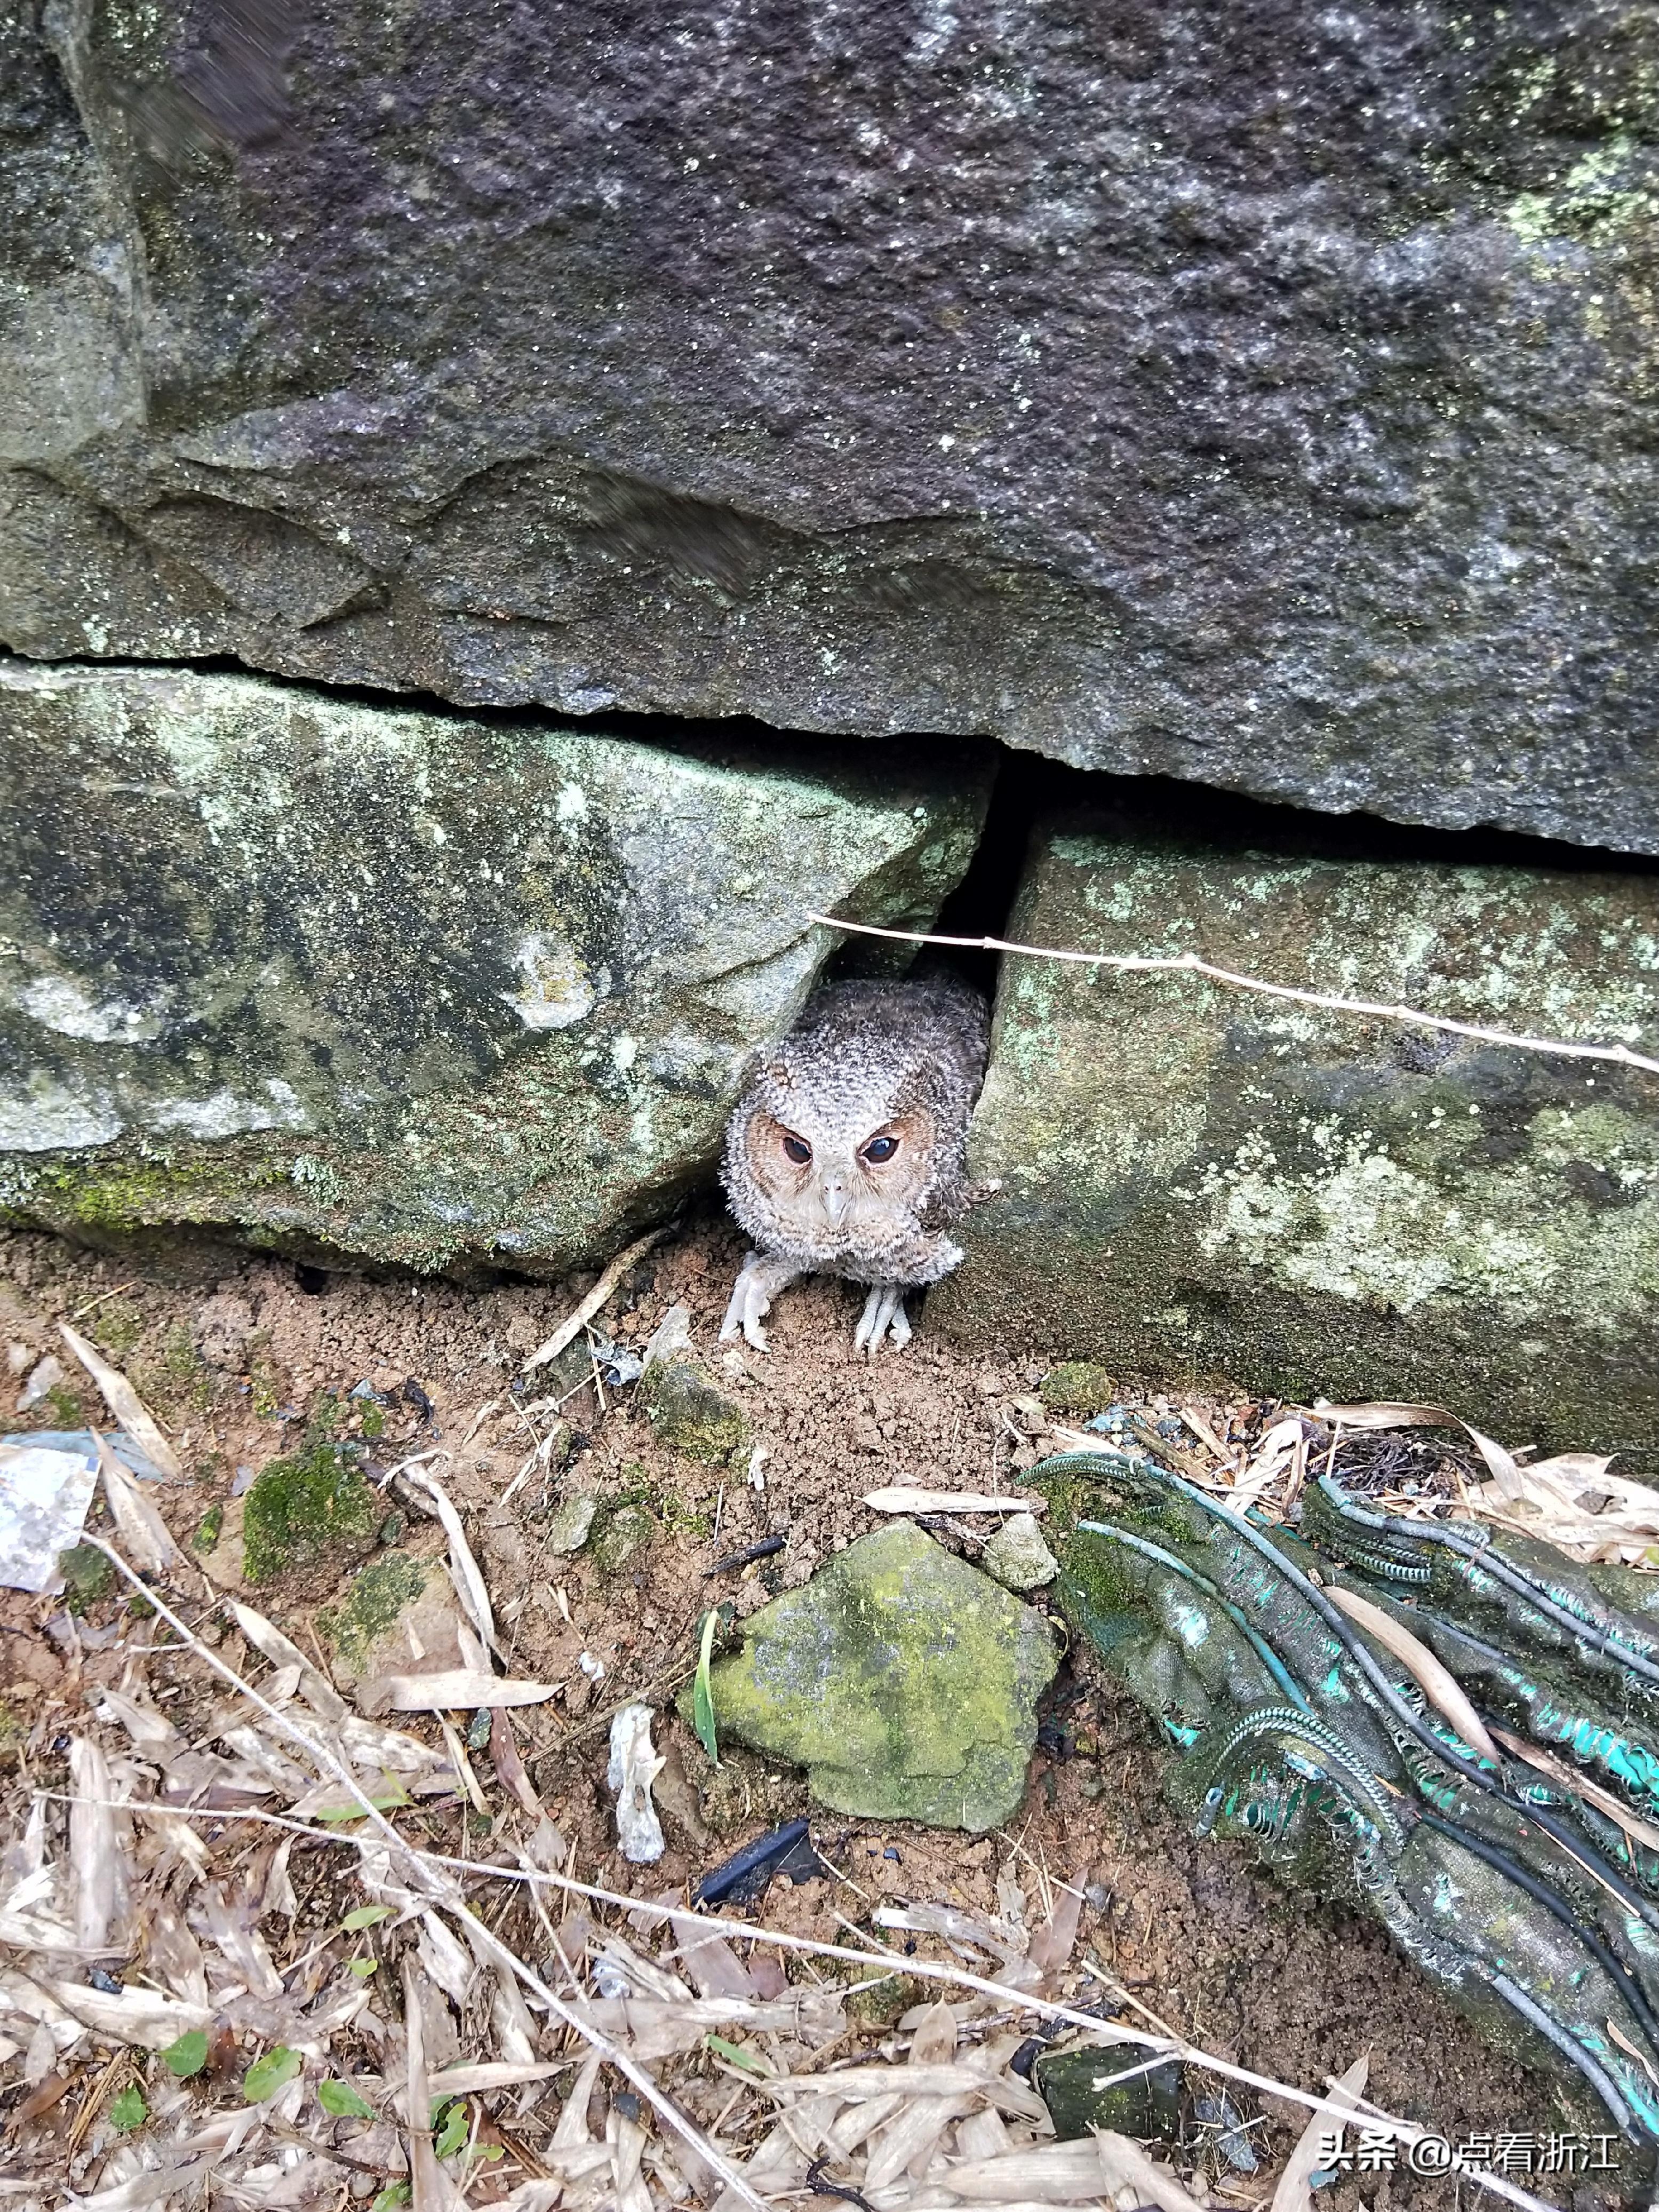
(1189, 963)
(569, 1328)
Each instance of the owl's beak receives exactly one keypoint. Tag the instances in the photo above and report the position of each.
(837, 1198)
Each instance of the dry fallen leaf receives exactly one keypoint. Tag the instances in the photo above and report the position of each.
(459, 1689)
(1437, 1683)
(1293, 2193)
(144, 1534)
(125, 1404)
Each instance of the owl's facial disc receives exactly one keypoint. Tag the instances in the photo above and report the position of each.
(782, 1159)
(833, 1191)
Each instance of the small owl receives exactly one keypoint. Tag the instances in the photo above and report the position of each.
(848, 1153)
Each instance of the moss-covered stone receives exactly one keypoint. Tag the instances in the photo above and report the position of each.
(1200, 1183)
(619, 1535)
(905, 1681)
(345, 979)
(87, 1576)
(691, 1413)
(1080, 2089)
(312, 1501)
(1078, 1386)
(369, 1633)
(568, 1525)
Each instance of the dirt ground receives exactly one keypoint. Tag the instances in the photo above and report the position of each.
(240, 1356)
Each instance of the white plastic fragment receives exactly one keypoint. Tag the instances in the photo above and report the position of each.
(671, 1337)
(634, 1767)
(43, 1496)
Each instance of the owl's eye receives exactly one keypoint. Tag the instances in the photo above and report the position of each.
(879, 1149)
(797, 1147)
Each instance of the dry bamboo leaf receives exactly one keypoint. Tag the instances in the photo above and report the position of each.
(713, 1965)
(1052, 1944)
(430, 2188)
(269, 1641)
(573, 2130)
(1124, 2166)
(1384, 1413)
(239, 1942)
(955, 1925)
(510, 1767)
(125, 1404)
(984, 2135)
(902, 1498)
(174, 1955)
(139, 2016)
(1437, 1683)
(1570, 1778)
(94, 1859)
(143, 1532)
(1047, 2173)
(151, 1733)
(956, 2079)
(459, 1689)
(469, 1585)
(1293, 2193)
(444, 1958)
(510, 2021)
(909, 2138)
(650, 2029)
(934, 2038)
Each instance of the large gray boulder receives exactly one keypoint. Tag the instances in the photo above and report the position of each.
(1257, 395)
(416, 988)
(1198, 1182)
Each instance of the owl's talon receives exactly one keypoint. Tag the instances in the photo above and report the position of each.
(884, 1315)
(758, 1282)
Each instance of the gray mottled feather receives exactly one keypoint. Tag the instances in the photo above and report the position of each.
(863, 1054)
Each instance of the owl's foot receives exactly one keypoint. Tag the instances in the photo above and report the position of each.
(884, 1315)
(758, 1283)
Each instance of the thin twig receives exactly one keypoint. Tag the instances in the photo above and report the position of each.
(573, 1325)
(1173, 2046)
(448, 1896)
(1189, 963)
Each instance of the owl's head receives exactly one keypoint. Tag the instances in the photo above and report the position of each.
(827, 1168)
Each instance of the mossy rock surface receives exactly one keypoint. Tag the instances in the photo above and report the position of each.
(690, 1412)
(313, 1502)
(1201, 1184)
(619, 1535)
(398, 1617)
(1258, 395)
(87, 1576)
(905, 1682)
(345, 979)
(1080, 1387)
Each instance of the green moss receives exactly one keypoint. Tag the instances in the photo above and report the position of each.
(904, 1679)
(619, 1532)
(379, 1593)
(372, 1422)
(87, 1576)
(691, 1413)
(1077, 1387)
(208, 1529)
(302, 1506)
(879, 2003)
(66, 1404)
(119, 1327)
